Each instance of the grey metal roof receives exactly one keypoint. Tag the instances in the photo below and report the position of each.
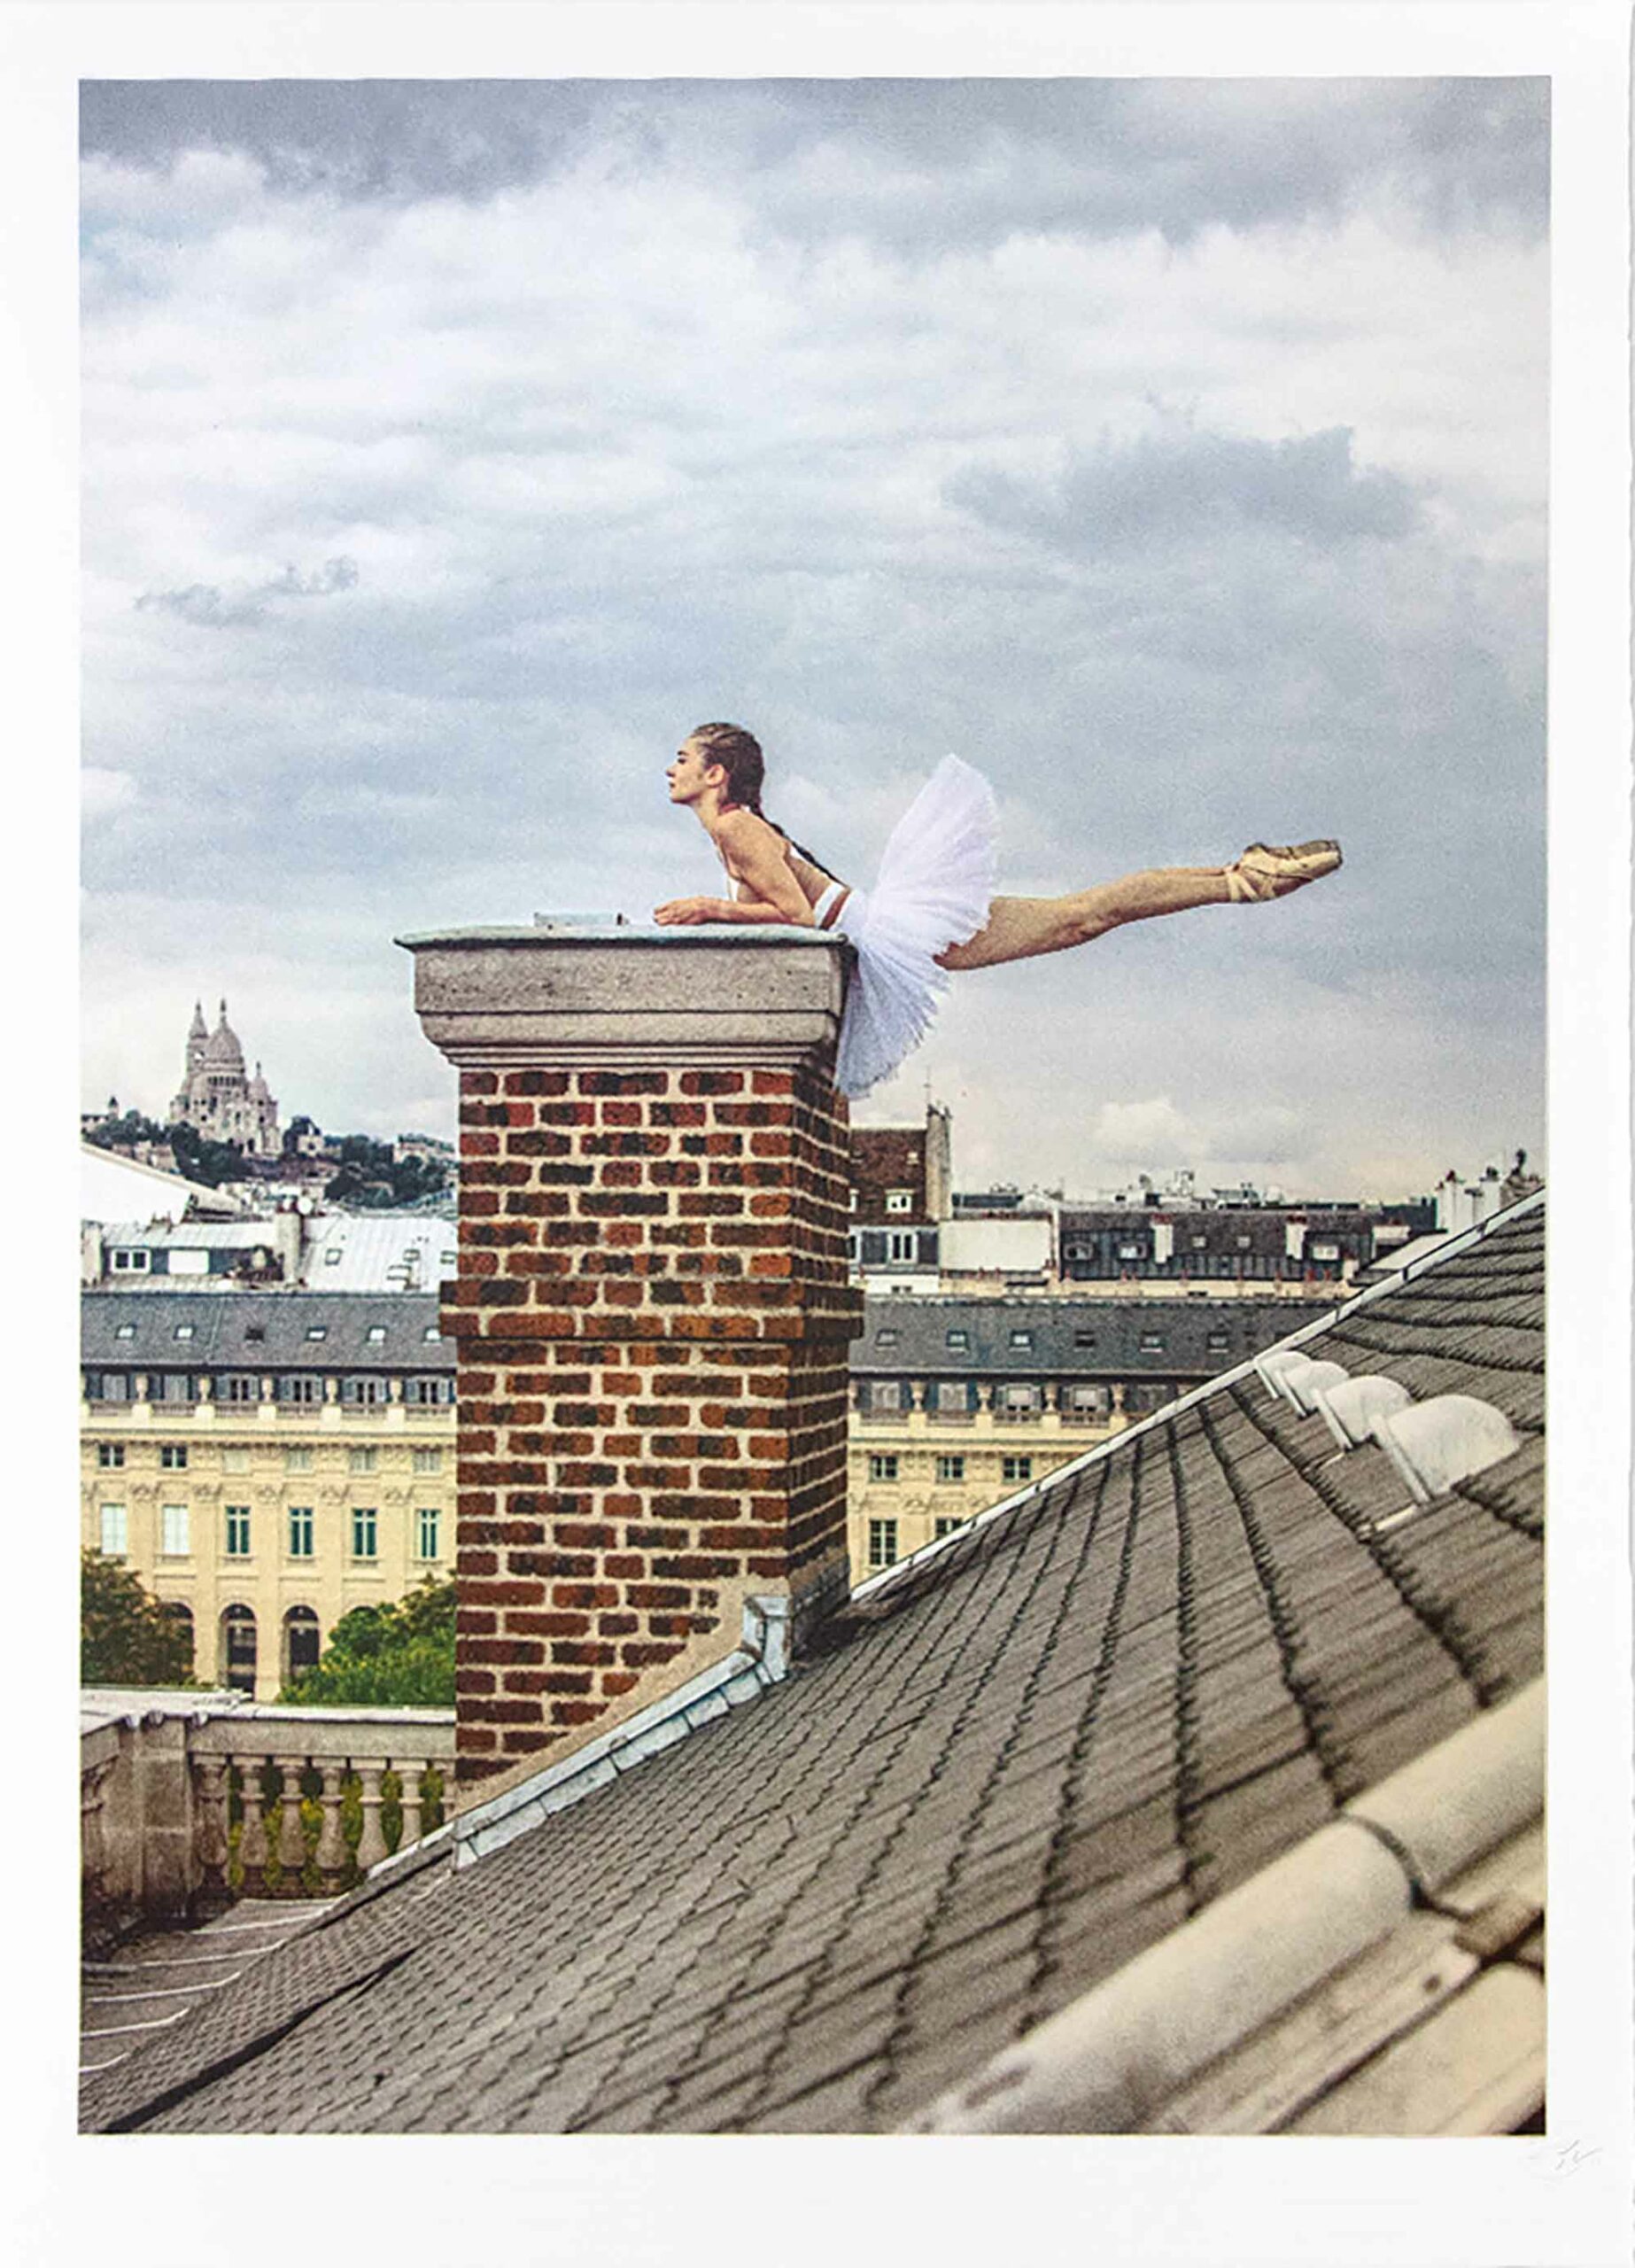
(1022, 1760)
(918, 1330)
(221, 1321)
(1220, 1227)
(379, 1252)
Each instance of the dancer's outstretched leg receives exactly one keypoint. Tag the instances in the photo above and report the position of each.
(1019, 928)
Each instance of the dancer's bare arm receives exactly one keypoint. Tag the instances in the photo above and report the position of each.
(767, 892)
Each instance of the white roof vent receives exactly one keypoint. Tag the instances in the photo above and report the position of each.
(1302, 1388)
(1438, 1443)
(1295, 1378)
(1272, 1368)
(1353, 1410)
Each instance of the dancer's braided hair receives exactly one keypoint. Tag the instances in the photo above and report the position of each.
(739, 753)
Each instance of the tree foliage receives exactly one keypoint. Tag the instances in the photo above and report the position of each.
(197, 1156)
(126, 1636)
(401, 1656)
(202, 1160)
(369, 1175)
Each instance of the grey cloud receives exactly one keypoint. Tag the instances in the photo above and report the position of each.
(207, 607)
(1190, 486)
(1038, 156)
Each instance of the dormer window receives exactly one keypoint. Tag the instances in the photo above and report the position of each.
(1021, 1338)
(332, 1255)
(128, 1261)
(125, 1331)
(885, 1339)
(316, 1330)
(432, 1334)
(959, 1339)
(184, 1331)
(375, 1334)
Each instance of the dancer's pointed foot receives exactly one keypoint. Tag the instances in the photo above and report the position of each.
(1268, 870)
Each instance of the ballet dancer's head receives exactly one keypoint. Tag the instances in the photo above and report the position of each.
(728, 759)
(724, 756)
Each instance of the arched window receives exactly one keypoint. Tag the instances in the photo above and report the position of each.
(237, 1648)
(179, 1611)
(303, 1641)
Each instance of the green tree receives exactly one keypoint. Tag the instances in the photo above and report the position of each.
(401, 1656)
(126, 1131)
(201, 1159)
(126, 1637)
(370, 1177)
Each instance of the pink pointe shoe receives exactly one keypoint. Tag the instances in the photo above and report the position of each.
(1270, 870)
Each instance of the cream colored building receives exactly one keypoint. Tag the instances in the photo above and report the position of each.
(960, 1401)
(913, 1475)
(266, 1484)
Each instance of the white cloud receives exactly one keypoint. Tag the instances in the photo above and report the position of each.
(102, 792)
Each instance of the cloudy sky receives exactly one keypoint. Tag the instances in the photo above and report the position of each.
(1173, 450)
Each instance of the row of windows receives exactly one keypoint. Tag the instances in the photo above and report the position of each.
(949, 1470)
(304, 1390)
(173, 1457)
(962, 1395)
(959, 1398)
(1152, 1341)
(883, 1539)
(316, 1332)
(236, 1653)
(175, 1541)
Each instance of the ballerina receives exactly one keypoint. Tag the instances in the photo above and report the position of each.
(933, 909)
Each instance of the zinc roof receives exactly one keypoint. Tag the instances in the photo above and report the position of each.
(1017, 1762)
(381, 1252)
(1124, 1337)
(221, 1325)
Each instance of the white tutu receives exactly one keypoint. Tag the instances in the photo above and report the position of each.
(935, 883)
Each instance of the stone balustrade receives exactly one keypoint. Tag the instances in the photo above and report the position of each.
(189, 1799)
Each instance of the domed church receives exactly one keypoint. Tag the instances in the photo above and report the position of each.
(217, 1097)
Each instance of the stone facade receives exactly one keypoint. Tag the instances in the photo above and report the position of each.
(270, 1539)
(652, 1314)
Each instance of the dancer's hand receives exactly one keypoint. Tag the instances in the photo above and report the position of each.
(687, 910)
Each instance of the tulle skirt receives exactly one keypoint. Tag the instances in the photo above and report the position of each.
(936, 880)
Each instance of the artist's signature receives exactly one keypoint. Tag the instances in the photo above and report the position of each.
(1558, 2159)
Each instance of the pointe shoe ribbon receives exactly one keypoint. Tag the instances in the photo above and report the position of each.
(1268, 870)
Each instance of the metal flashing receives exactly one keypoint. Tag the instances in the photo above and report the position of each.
(761, 1659)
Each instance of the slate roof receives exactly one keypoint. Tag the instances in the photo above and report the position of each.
(221, 1321)
(1058, 1328)
(1019, 1760)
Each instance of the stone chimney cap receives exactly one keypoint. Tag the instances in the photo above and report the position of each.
(710, 995)
(571, 929)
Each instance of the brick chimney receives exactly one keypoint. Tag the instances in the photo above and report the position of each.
(652, 1311)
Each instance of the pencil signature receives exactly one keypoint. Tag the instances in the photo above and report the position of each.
(1559, 2159)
